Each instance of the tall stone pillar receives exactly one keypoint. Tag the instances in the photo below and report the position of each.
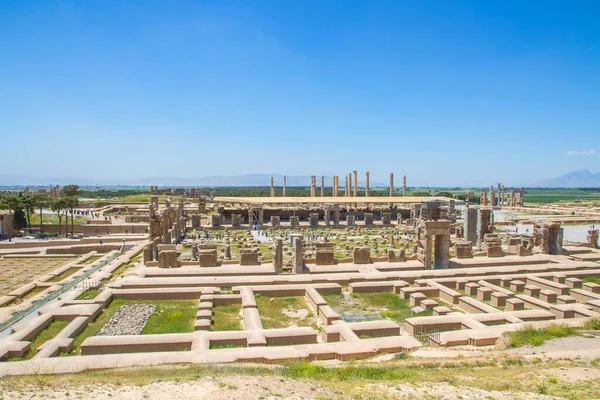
(336, 185)
(503, 198)
(492, 197)
(522, 199)
(322, 186)
(355, 183)
(278, 256)
(297, 255)
(367, 184)
(391, 184)
(313, 186)
(470, 225)
(349, 184)
(468, 198)
(404, 186)
(272, 188)
(284, 185)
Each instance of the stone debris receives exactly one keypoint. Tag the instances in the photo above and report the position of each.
(128, 320)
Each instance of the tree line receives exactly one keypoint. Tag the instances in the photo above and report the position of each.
(22, 206)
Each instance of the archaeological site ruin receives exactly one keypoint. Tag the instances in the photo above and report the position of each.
(278, 278)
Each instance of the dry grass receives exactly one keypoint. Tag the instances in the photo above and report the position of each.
(16, 272)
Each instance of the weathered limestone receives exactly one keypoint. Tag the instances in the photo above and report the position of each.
(207, 255)
(362, 255)
(485, 224)
(368, 220)
(324, 253)
(284, 185)
(592, 238)
(298, 255)
(549, 236)
(196, 222)
(350, 220)
(313, 186)
(167, 256)
(216, 220)
(492, 198)
(294, 221)
(275, 221)
(272, 191)
(314, 220)
(391, 184)
(236, 221)
(386, 218)
(322, 186)
(367, 193)
(404, 186)
(470, 225)
(278, 256)
(433, 237)
(493, 245)
(463, 250)
(249, 257)
(396, 255)
(355, 183)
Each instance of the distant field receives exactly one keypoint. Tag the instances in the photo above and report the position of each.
(535, 195)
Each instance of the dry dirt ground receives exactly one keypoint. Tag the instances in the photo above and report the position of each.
(561, 368)
(16, 272)
(247, 387)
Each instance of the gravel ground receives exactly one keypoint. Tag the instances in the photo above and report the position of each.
(266, 388)
(128, 320)
(568, 344)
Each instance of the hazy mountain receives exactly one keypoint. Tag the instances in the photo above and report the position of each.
(212, 181)
(575, 179)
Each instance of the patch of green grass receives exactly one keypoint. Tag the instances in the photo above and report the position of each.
(592, 324)
(272, 316)
(121, 269)
(65, 274)
(171, 316)
(91, 293)
(530, 336)
(47, 334)
(386, 304)
(92, 259)
(226, 318)
(591, 279)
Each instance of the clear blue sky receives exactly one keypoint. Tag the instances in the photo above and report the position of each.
(447, 92)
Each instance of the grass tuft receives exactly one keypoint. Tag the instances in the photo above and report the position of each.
(530, 336)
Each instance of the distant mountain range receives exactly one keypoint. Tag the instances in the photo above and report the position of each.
(212, 181)
(575, 179)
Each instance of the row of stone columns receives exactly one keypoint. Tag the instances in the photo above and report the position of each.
(350, 189)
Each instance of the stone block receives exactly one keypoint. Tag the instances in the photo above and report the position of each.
(275, 221)
(591, 287)
(428, 304)
(416, 298)
(368, 219)
(325, 257)
(350, 220)
(484, 293)
(574, 283)
(517, 286)
(471, 289)
(565, 299)
(248, 257)
(498, 299)
(514, 305)
(167, 259)
(532, 290)
(548, 296)
(441, 310)
(463, 250)
(362, 255)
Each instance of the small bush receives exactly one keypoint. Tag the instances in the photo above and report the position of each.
(536, 337)
(592, 325)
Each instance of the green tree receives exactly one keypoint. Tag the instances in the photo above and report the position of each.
(28, 202)
(72, 193)
(421, 194)
(444, 193)
(19, 221)
(60, 208)
(42, 200)
(12, 203)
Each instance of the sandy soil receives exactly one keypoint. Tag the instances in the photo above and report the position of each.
(246, 388)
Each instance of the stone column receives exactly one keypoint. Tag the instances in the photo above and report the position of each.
(355, 183)
(468, 198)
(349, 184)
(391, 184)
(313, 186)
(492, 198)
(503, 198)
(272, 188)
(278, 256)
(522, 199)
(470, 225)
(404, 186)
(284, 185)
(336, 185)
(297, 255)
(367, 184)
(322, 186)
